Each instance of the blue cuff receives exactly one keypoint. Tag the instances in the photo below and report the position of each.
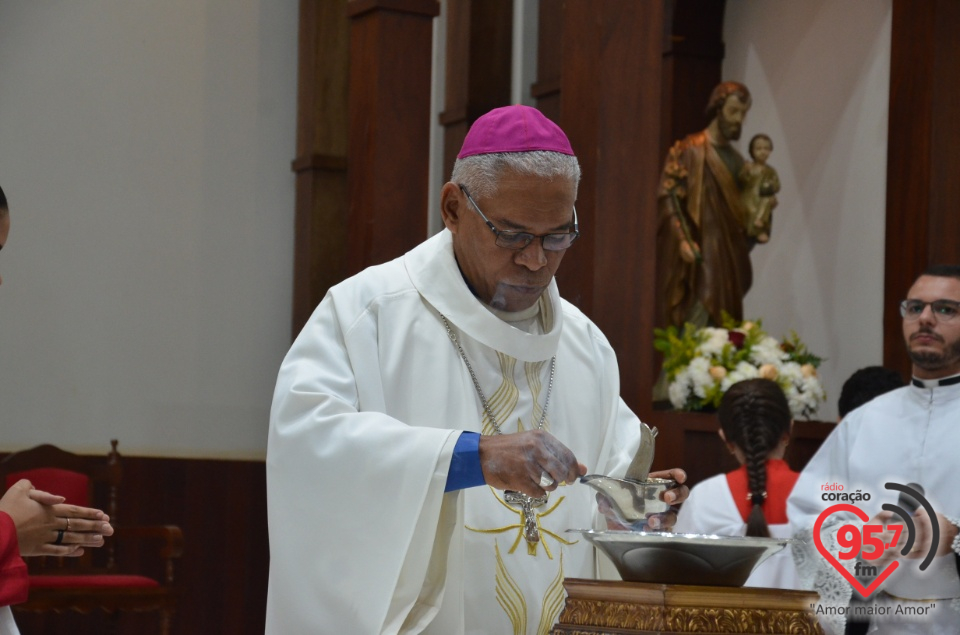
(465, 470)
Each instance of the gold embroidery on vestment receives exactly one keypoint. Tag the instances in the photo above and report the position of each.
(510, 597)
(532, 370)
(504, 399)
(552, 602)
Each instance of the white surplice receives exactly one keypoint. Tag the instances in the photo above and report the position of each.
(370, 401)
(7, 625)
(909, 435)
(711, 509)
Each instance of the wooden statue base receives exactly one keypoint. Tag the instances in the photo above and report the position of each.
(606, 607)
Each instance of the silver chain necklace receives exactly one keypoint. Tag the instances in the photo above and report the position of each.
(527, 503)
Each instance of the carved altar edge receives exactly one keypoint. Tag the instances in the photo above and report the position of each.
(598, 607)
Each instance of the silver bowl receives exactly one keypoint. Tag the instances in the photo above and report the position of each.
(698, 559)
(631, 500)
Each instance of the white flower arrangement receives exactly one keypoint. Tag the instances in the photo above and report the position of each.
(702, 364)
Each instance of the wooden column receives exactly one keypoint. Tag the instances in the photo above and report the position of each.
(479, 45)
(389, 131)
(610, 108)
(923, 225)
(321, 162)
(546, 90)
(692, 66)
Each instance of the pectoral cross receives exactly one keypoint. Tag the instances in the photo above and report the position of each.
(527, 505)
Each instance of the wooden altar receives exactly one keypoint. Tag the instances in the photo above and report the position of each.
(606, 607)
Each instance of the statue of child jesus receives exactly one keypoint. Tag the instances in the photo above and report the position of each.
(760, 185)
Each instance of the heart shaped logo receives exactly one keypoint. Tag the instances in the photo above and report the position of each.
(865, 592)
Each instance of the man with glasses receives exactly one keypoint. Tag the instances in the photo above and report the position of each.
(910, 435)
(431, 421)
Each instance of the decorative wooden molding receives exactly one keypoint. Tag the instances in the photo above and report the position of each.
(321, 162)
(426, 8)
(734, 620)
(611, 614)
(545, 89)
(606, 607)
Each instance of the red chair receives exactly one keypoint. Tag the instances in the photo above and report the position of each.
(94, 581)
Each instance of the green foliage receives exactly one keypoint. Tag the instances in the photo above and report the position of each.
(701, 363)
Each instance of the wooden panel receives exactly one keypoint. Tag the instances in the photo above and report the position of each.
(610, 108)
(478, 56)
(690, 440)
(944, 222)
(923, 226)
(692, 65)
(908, 165)
(546, 90)
(389, 132)
(321, 163)
(221, 508)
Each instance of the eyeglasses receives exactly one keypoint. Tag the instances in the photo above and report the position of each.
(520, 240)
(943, 310)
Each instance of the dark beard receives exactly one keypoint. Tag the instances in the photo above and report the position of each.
(730, 131)
(935, 361)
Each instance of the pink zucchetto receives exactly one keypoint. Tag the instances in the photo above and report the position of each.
(514, 129)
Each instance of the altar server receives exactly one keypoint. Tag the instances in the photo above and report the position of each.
(910, 435)
(37, 523)
(429, 412)
(755, 425)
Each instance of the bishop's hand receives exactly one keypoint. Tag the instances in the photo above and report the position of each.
(532, 462)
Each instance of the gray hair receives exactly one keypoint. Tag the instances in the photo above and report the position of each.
(481, 173)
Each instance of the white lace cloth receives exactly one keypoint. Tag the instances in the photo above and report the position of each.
(900, 616)
(817, 574)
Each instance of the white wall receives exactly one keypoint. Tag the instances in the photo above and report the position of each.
(145, 150)
(819, 72)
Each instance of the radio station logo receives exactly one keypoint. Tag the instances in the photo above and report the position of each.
(866, 545)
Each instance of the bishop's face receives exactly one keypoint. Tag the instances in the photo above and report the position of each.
(507, 279)
(933, 343)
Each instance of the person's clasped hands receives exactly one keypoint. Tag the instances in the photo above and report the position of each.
(46, 526)
(923, 537)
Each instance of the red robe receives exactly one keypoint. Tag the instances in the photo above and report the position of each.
(14, 584)
(780, 481)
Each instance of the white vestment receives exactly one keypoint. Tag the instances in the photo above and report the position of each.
(370, 401)
(7, 625)
(909, 435)
(710, 509)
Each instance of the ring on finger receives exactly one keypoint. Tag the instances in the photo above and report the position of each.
(59, 540)
(545, 480)
(68, 524)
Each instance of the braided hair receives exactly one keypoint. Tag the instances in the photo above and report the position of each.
(754, 416)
